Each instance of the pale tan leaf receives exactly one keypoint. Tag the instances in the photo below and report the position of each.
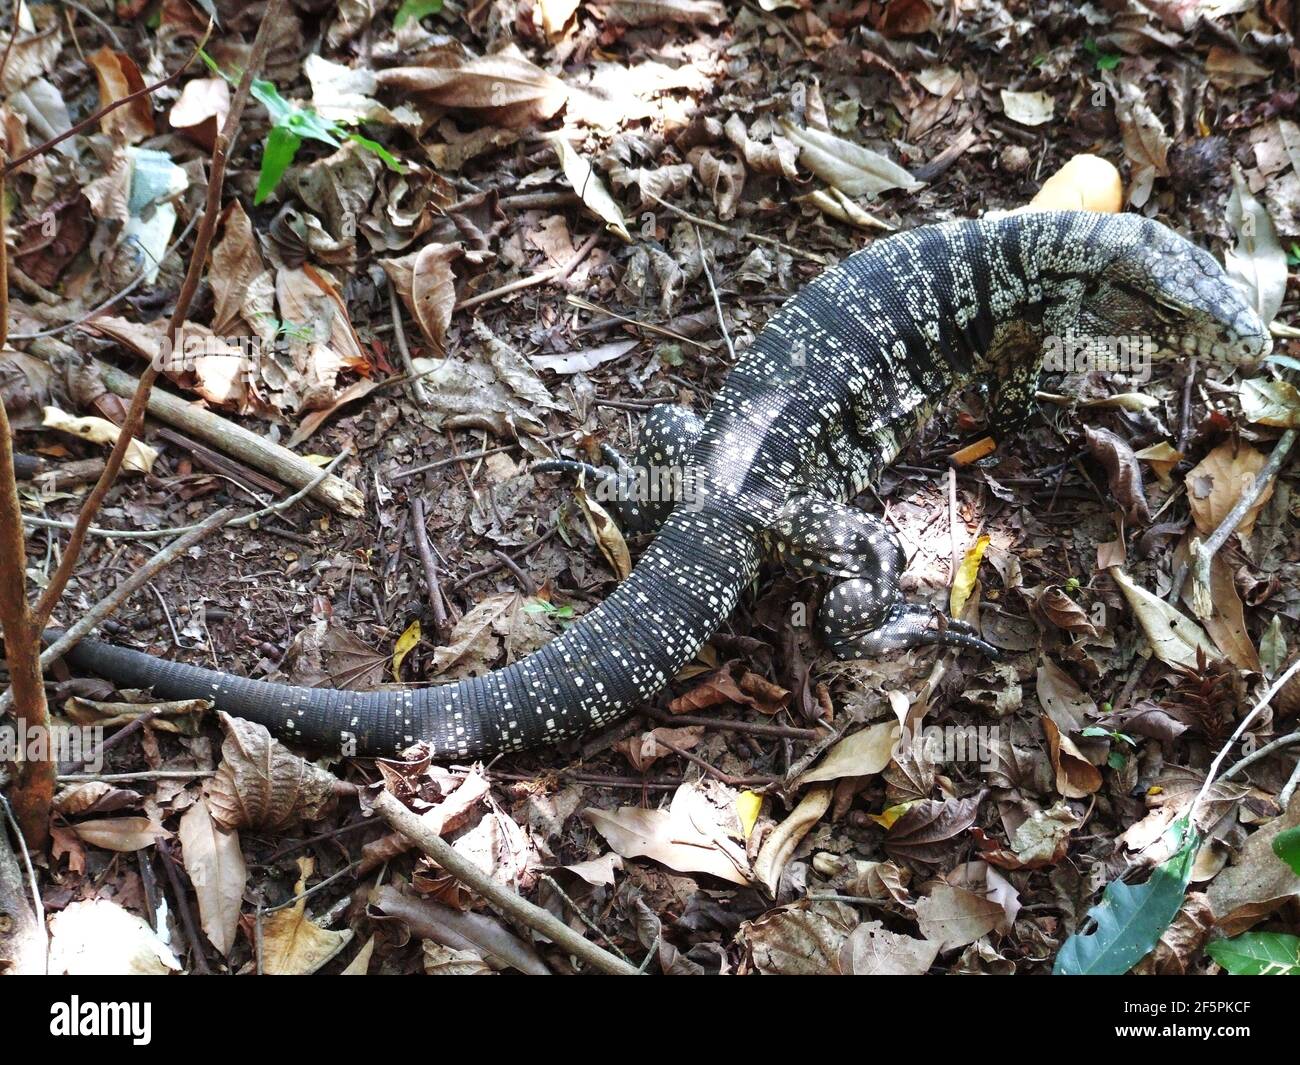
(216, 868)
(953, 917)
(292, 944)
(780, 845)
(863, 754)
(851, 168)
(97, 937)
(1173, 637)
(589, 187)
(140, 457)
(1220, 479)
(1076, 777)
(124, 834)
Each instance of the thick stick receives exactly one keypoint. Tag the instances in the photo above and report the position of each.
(469, 874)
(33, 789)
(224, 436)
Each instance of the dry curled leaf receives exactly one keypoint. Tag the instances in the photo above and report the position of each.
(1123, 473)
(1063, 612)
(1076, 777)
(1220, 479)
(780, 845)
(927, 830)
(261, 784)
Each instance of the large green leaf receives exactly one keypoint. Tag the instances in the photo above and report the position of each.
(1130, 919)
(1258, 954)
(1286, 845)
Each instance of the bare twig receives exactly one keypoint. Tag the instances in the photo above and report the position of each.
(555, 273)
(423, 836)
(713, 290)
(404, 349)
(720, 228)
(425, 549)
(135, 413)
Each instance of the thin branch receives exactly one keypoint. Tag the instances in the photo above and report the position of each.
(423, 836)
(135, 413)
(90, 120)
(717, 302)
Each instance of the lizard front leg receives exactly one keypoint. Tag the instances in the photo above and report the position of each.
(642, 492)
(864, 615)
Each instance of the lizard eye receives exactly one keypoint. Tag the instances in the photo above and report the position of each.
(1168, 310)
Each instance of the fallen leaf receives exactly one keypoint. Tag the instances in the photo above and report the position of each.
(802, 939)
(118, 78)
(261, 784)
(1028, 108)
(216, 868)
(953, 917)
(863, 754)
(294, 945)
(780, 845)
(873, 950)
(1173, 637)
(97, 937)
(1076, 777)
(506, 89)
(851, 168)
(590, 188)
(140, 457)
(1220, 479)
(123, 834)
(967, 575)
(925, 832)
(405, 643)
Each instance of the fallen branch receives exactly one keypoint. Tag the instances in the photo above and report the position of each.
(224, 435)
(33, 788)
(449, 859)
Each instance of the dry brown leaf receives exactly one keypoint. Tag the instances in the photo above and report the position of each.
(261, 784)
(200, 111)
(1220, 479)
(241, 284)
(873, 950)
(433, 291)
(1258, 883)
(927, 830)
(644, 750)
(863, 754)
(292, 944)
(781, 843)
(119, 77)
(1173, 637)
(93, 797)
(476, 640)
(1063, 700)
(1226, 622)
(216, 868)
(1122, 472)
(123, 834)
(1064, 612)
(1180, 944)
(140, 457)
(851, 168)
(1076, 777)
(590, 188)
(606, 531)
(507, 90)
(684, 837)
(803, 939)
(953, 917)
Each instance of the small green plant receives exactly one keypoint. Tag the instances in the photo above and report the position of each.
(1264, 953)
(1117, 758)
(561, 614)
(1293, 255)
(291, 124)
(1102, 60)
(415, 9)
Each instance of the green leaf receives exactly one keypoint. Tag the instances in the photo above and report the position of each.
(1130, 918)
(390, 160)
(415, 9)
(1286, 845)
(1258, 954)
(281, 146)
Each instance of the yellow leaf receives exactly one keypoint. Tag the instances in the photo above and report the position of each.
(966, 576)
(893, 813)
(748, 803)
(405, 642)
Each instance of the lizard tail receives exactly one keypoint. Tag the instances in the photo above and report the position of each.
(600, 669)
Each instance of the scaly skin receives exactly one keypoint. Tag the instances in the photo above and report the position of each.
(829, 393)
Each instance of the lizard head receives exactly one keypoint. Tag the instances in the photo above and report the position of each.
(1174, 297)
